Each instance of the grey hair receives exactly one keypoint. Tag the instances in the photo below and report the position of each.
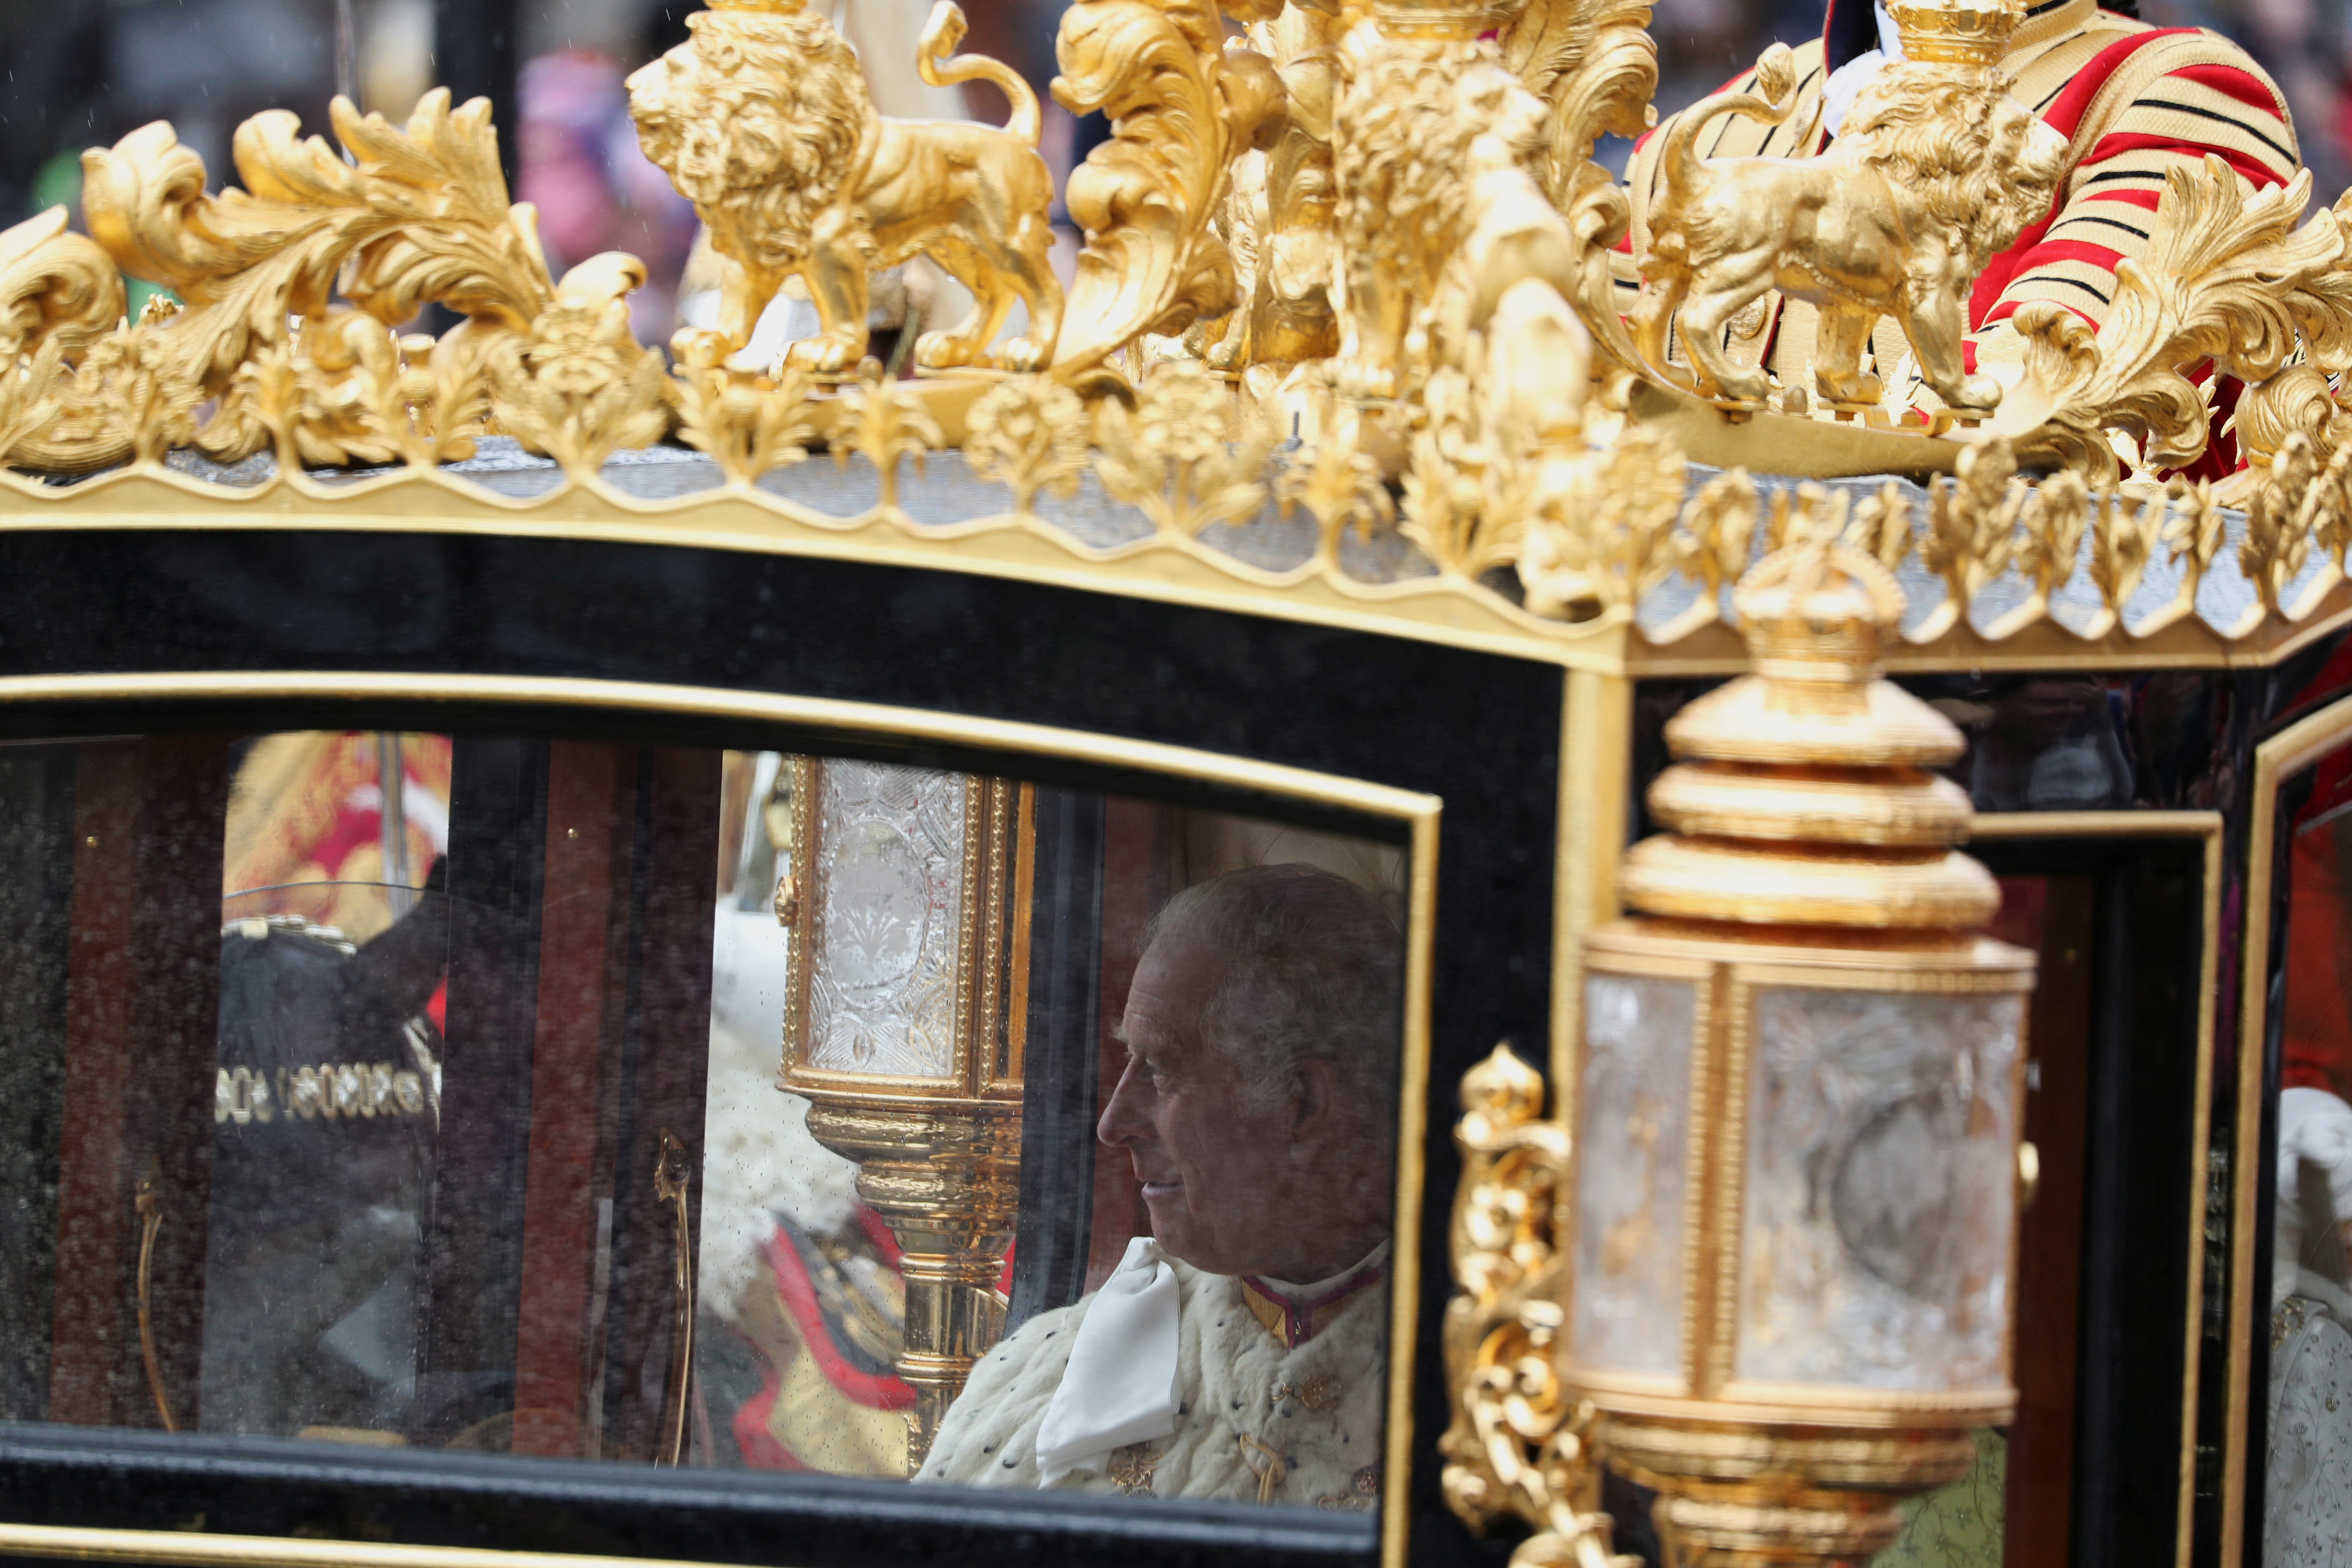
(1315, 972)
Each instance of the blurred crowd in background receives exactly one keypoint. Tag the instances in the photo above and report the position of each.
(80, 73)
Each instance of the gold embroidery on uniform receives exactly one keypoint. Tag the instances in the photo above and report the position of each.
(1269, 1475)
(340, 1080)
(332, 1089)
(1131, 1467)
(1363, 1492)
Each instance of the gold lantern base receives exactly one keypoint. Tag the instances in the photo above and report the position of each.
(946, 1179)
(1741, 1493)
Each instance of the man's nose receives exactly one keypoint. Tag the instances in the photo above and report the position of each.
(1122, 1120)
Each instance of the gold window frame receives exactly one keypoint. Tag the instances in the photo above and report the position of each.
(2296, 748)
(2205, 828)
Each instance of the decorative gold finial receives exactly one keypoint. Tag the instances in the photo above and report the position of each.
(1957, 32)
(1804, 794)
(760, 8)
(1457, 19)
(1818, 611)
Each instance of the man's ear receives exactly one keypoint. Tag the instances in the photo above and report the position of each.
(1315, 1104)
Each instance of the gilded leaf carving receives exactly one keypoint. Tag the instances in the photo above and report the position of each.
(888, 426)
(137, 381)
(746, 423)
(2230, 278)
(1971, 533)
(1516, 1445)
(1174, 457)
(2127, 534)
(1182, 107)
(1338, 483)
(1028, 433)
(578, 385)
(420, 213)
(1600, 533)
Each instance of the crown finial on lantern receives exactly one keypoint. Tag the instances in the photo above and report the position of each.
(1956, 32)
(1460, 20)
(1804, 793)
(1817, 615)
(1817, 611)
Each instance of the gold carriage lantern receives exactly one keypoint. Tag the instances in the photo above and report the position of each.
(907, 895)
(1798, 1100)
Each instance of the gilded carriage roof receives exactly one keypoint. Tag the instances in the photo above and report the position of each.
(1398, 393)
(2183, 611)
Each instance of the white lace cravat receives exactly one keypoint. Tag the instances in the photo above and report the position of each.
(1120, 1385)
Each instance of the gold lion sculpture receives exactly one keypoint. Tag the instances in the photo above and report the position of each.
(1937, 170)
(763, 120)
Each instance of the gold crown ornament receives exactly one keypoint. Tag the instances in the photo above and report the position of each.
(1463, 20)
(1956, 32)
(760, 7)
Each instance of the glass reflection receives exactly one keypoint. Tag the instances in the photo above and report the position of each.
(1236, 1351)
(2043, 742)
(2308, 1461)
(423, 1091)
(327, 1091)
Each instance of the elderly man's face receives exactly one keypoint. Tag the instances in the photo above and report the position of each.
(1214, 1170)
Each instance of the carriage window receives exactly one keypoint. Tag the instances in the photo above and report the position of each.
(2307, 1431)
(686, 1106)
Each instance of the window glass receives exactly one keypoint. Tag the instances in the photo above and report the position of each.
(2018, 1497)
(677, 1105)
(2307, 1422)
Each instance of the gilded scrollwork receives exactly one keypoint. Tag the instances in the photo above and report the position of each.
(56, 285)
(1594, 64)
(1516, 1444)
(2298, 398)
(1182, 107)
(59, 294)
(2232, 280)
(1383, 219)
(419, 213)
